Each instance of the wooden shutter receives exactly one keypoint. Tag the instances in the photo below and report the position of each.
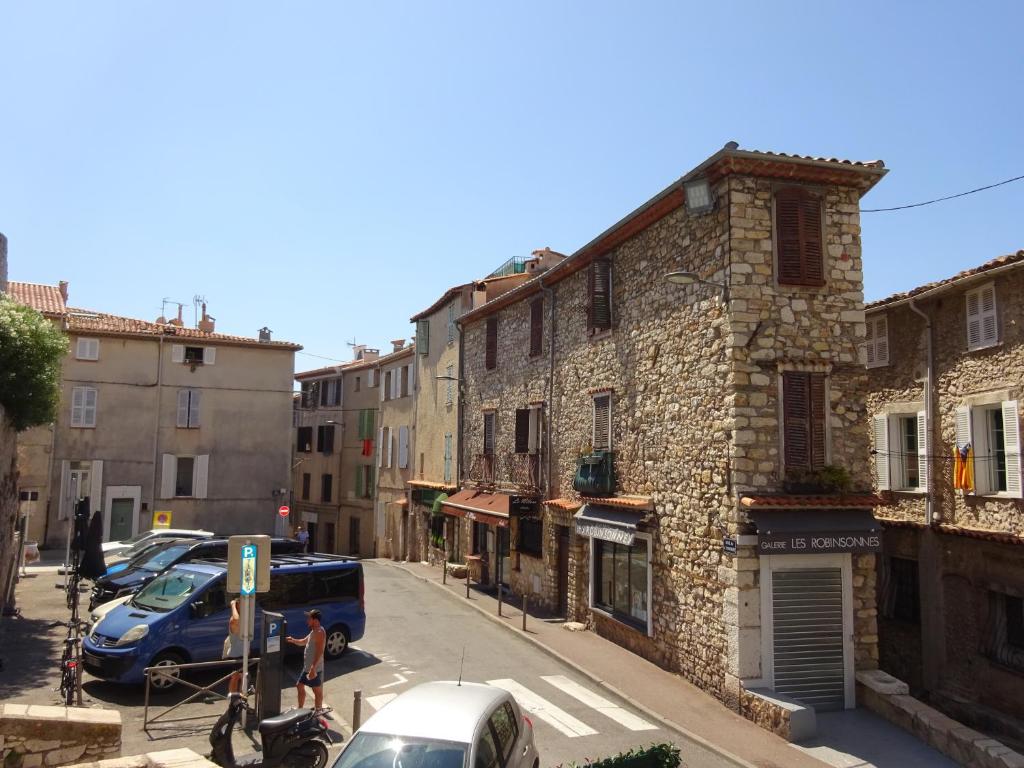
(602, 423)
(796, 418)
(922, 450)
(77, 406)
(982, 326)
(451, 322)
(1011, 444)
(168, 475)
(403, 447)
(536, 326)
(391, 441)
(202, 474)
(522, 430)
(818, 411)
(359, 481)
(798, 237)
(96, 485)
(422, 336)
(194, 399)
(326, 487)
(880, 429)
(306, 477)
(448, 458)
(491, 349)
(182, 408)
(380, 447)
(177, 353)
(599, 315)
(881, 340)
(489, 434)
(535, 427)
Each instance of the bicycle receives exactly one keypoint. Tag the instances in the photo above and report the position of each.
(70, 670)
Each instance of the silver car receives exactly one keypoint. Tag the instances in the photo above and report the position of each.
(445, 725)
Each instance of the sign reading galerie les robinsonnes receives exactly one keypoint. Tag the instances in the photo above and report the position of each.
(832, 542)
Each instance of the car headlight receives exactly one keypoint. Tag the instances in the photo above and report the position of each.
(133, 635)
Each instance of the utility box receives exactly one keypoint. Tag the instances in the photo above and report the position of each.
(271, 664)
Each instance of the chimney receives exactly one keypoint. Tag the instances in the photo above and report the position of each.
(63, 286)
(543, 259)
(161, 320)
(264, 335)
(207, 323)
(178, 321)
(368, 354)
(397, 345)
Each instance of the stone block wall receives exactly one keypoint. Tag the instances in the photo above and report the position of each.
(33, 736)
(168, 758)
(8, 506)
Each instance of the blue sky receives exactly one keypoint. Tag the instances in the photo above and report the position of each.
(328, 169)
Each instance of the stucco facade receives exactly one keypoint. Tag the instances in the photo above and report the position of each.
(951, 580)
(684, 386)
(394, 529)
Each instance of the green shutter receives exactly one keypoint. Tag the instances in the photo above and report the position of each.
(359, 482)
(422, 336)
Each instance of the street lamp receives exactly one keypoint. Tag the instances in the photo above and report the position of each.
(691, 278)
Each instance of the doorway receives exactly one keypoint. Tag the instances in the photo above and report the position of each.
(329, 538)
(121, 518)
(311, 544)
(353, 536)
(563, 569)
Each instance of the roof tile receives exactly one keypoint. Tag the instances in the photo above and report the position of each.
(782, 501)
(1001, 261)
(44, 298)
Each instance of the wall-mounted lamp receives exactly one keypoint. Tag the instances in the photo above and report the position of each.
(698, 196)
(690, 278)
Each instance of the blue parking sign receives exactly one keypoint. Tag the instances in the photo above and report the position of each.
(248, 569)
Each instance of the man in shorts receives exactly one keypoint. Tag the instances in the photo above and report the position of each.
(312, 660)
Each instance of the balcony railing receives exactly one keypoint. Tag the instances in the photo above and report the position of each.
(523, 470)
(481, 469)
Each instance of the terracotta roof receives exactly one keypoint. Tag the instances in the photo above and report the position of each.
(1002, 261)
(327, 370)
(445, 298)
(622, 502)
(782, 501)
(44, 298)
(565, 504)
(87, 321)
(787, 156)
(392, 356)
(430, 485)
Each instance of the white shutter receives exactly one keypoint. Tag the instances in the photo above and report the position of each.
(373, 377)
(209, 355)
(182, 408)
(396, 383)
(412, 378)
(89, 408)
(964, 429)
(96, 486)
(1011, 443)
(202, 473)
(380, 447)
(64, 511)
(989, 329)
(177, 353)
(403, 447)
(869, 344)
(448, 458)
(383, 393)
(391, 442)
(168, 475)
(77, 406)
(193, 407)
(880, 426)
(922, 450)
(881, 341)
(533, 441)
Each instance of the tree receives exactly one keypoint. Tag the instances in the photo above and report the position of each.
(31, 350)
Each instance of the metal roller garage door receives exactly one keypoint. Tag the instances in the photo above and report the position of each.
(807, 612)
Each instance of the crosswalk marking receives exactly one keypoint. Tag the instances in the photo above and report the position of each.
(379, 701)
(544, 709)
(601, 704)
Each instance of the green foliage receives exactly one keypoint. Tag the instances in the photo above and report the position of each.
(31, 350)
(654, 756)
(828, 479)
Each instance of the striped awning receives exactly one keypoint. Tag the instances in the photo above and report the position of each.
(597, 521)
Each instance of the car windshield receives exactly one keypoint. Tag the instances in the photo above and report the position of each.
(381, 750)
(136, 538)
(157, 561)
(167, 592)
(144, 547)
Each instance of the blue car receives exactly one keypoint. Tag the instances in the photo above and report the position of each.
(182, 615)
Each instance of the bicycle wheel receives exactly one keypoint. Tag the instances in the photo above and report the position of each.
(68, 682)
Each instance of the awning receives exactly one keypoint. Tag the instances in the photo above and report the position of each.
(481, 506)
(816, 532)
(599, 522)
(435, 509)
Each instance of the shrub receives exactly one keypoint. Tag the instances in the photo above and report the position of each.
(654, 756)
(31, 349)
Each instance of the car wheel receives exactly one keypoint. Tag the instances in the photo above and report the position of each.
(164, 680)
(336, 642)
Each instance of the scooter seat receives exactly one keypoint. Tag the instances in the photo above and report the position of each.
(284, 721)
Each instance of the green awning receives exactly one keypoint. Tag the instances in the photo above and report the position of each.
(438, 501)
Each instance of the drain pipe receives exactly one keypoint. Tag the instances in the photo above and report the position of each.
(929, 514)
(550, 295)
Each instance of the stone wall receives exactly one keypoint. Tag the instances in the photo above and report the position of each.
(168, 758)
(8, 505)
(32, 736)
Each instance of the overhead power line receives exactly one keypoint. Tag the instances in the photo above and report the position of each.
(940, 199)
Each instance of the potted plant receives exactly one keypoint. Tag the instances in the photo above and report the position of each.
(828, 479)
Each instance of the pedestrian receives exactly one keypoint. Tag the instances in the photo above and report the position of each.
(233, 646)
(303, 536)
(312, 660)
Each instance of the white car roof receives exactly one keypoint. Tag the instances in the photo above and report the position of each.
(442, 710)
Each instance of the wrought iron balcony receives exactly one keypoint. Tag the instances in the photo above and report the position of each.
(523, 470)
(481, 469)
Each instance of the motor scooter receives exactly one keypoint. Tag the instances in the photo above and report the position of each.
(292, 739)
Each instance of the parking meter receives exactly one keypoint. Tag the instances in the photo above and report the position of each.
(271, 665)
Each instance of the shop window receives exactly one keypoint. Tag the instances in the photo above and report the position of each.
(479, 538)
(901, 596)
(620, 578)
(531, 537)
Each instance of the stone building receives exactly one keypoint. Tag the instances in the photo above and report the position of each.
(394, 530)
(629, 441)
(946, 374)
(160, 417)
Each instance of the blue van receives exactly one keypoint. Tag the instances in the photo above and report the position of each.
(182, 615)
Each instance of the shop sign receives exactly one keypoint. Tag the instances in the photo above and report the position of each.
(729, 545)
(523, 506)
(825, 543)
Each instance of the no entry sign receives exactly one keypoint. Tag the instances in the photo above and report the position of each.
(283, 511)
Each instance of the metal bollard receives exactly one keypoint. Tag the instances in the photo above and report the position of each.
(525, 601)
(499, 598)
(444, 569)
(357, 709)
(467, 581)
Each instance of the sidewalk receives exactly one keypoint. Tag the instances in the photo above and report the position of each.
(685, 708)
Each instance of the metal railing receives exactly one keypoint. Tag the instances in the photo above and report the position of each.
(523, 470)
(172, 672)
(481, 469)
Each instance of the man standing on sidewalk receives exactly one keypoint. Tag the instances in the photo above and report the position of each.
(312, 660)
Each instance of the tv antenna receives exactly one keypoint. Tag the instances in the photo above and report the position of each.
(461, 662)
(196, 301)
(165, 302)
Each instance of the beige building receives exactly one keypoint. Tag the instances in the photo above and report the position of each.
(659, 459)
(946, 373)
(394, 532)
(157, 417)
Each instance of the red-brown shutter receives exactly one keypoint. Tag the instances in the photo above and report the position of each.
(522, 430)
(796, 419)
(599, 314)
(488, 434)
(491, 352)
(817, 419)
(536, 326)
(798, 236)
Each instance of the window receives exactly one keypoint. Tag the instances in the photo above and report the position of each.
(531, 536)
(386, 393)
(599, 296)
(372, 377)
(330, 392)
(88, 349)
(188, 408)
(194, 355)
(620, 580)
(504, 726)
(364, 481)
(491, 344)
(479, 538)
(877, 344)
(901, 455)
(448, 457)
(1005, 642)
(83, 407)
(357, 384)
(798, 237)
(306, 478)
(326, 487)
(422, 336)
(185, 472)
(336, 585)
(993, 434)
(803, 404)
(366, 419)
(901, 598)
(304, 440)
(536, 327)
(602, 433)
(325, 438)
(488, 434)
(405, 370)
(403, 448)
(486, 751)
(522, 436)
(982, 323)
(451, 322)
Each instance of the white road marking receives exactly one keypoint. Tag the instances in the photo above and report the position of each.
(544, 709)
(379, 701)
(401, 679)
(601, 704)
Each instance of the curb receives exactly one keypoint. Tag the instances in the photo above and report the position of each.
(671, 725)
